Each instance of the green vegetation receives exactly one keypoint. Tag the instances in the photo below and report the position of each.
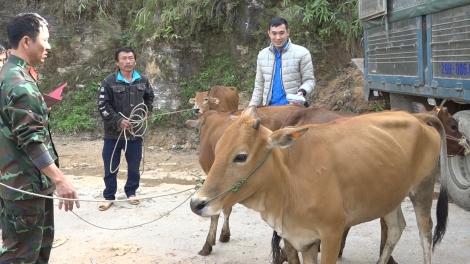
(77, 113)
(328, 19)
(377, 107)
(218, 70)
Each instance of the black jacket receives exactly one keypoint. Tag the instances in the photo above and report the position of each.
(117, 97)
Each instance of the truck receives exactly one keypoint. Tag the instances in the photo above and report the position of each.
(419, 51)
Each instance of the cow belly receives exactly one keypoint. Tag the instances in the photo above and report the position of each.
(301, 237)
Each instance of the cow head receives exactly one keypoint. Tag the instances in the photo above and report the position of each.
(243, 160)
(203, 102)
(451, 127)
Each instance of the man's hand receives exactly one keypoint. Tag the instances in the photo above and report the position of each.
(63, 186)
(66, 190)
(125, 124)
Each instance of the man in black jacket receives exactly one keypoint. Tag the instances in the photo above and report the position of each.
(125, 100)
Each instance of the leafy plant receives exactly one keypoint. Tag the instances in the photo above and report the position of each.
(328, 17)
(377, 107)
(338, 105)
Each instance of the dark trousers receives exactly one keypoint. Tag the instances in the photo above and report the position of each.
(27, 230)
(133, 157)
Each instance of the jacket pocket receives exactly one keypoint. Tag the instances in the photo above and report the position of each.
(140, 92)
(119, 93)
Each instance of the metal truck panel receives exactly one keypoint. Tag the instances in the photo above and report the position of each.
(450, 43)
(394, 52)
(369, 9)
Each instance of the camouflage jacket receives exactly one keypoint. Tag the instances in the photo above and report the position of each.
(24, 133)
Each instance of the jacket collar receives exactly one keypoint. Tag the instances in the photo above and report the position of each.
(287, 45)
(119, 78)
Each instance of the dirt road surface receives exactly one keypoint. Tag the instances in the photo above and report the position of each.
(140, 237)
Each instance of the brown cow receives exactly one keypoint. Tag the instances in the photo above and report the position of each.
(220, 98)
(212, 125)
(339, 174)
(319, 115)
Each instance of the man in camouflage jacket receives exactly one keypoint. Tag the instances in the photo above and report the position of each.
(27, 158)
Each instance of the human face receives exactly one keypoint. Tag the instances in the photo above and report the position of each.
(278, 35)
(3, 58)
(36, 51)
(126, 61)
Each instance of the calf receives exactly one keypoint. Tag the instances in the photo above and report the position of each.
(219, 98)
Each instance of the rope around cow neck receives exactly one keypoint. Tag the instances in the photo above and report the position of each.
(241, 182)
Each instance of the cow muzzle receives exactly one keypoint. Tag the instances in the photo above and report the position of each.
(201, 207)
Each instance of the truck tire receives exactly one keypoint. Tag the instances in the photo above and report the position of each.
(459, 167)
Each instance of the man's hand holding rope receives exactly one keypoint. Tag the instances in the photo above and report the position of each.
(125, 124)
(63, 186)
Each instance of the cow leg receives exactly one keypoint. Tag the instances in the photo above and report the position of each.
(393, 233)
(289, 254)
(343, 241)
(210, 240)
(311, 255)
(422, 203)
(384, 230)
(330, 246)
(225, 233)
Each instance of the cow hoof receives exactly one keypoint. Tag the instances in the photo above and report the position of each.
(391, 261)
(282, 259)
(205, 251)
(224, 239)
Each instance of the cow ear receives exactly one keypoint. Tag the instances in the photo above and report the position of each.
(250, 111)
(214, 100)
(192, 100)
(286, 136)
(418, 107)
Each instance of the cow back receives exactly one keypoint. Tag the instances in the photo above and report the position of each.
(213, 124)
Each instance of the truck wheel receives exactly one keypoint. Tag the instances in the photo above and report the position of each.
(459, 167)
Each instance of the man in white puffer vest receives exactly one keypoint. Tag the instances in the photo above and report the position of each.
(282, 68)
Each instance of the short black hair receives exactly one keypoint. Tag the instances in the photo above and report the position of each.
(277, 21)
(124, 49)
(2, 49)
(24, 24)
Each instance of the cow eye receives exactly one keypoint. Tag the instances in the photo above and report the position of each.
(240, 158)
(454, 127)
(206, 99)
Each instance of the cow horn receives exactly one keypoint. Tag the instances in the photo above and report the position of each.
(257, 123)
(442, 103)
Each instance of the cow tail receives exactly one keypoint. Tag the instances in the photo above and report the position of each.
(276, 249)
(442, 208)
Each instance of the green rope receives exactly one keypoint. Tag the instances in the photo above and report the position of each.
(241, 182)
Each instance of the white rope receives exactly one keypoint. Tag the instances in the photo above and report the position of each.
(135, 120)
(94, 200)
